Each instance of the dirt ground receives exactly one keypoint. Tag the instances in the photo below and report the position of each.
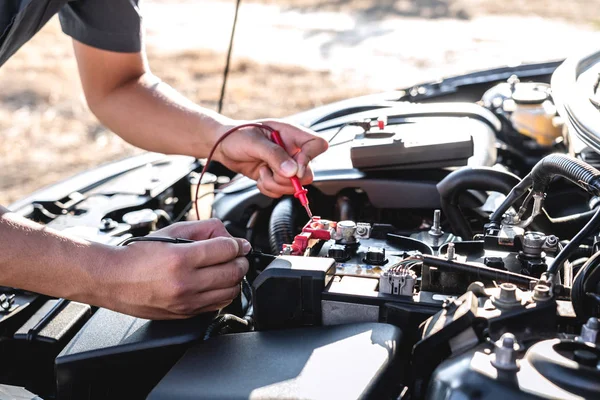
(577, 11)
(47, 133)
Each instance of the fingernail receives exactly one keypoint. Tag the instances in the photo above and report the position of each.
(289, 168)
(246, 247)
(301, 170)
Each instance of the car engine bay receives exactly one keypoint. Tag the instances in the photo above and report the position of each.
(454, 252)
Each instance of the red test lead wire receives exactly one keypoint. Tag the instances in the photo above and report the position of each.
(214, 148)
(300, 193)
(275, 137)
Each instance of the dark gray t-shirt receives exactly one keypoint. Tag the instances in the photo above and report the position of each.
(114, 25)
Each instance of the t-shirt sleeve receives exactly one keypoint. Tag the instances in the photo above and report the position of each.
(113, 25)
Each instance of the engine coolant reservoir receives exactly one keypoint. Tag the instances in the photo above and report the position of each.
(533, 114)
(529, 108)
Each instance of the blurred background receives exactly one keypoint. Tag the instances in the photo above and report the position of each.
(288, 56)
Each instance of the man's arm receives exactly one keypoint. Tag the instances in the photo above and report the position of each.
(148, 113)
(122, 92)
(34, 257)
(148, 280)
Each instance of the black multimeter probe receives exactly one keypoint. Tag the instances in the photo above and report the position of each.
(251, 255)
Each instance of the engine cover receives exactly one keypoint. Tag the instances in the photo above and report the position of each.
(307, 363)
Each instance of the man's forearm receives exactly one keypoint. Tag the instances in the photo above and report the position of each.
(35, 258)
(150, 114)
(127, 98)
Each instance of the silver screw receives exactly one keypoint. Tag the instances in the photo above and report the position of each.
(450, 252)
(287, 250)
(436, 228)
(512, 81)
(589, 331)
(505, 353)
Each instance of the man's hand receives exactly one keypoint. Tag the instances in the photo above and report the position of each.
(252, 153)
(170, 281)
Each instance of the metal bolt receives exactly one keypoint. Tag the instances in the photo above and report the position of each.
(505, 353)
(541, 293)
(512, 81)
(507, 299)
(551, 241)
(508, 293)
(346, 231)
(532, 243)
(589, 331)
(511, 219)
(436, 228)
(593, 323)
(106, 224)
(287, 250)
(450, 252)
(6, 302)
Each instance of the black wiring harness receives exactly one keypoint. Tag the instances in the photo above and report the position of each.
(538, 180)
(162, 239)
(576, 171)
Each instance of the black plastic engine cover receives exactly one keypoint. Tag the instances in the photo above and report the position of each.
(288, 292)
(38, 341)
(339, 362)
(116, 356)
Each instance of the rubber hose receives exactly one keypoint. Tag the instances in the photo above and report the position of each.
(577, 171)
(585, 277)
(459, 181)
(592, 226)
(281, 225)
(583, 251)
(515, 194)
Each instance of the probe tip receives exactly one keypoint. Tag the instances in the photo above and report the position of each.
(308, 211)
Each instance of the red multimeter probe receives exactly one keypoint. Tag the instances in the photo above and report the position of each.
(300, 193)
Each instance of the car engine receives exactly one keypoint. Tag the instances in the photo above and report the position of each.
(454, 252)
